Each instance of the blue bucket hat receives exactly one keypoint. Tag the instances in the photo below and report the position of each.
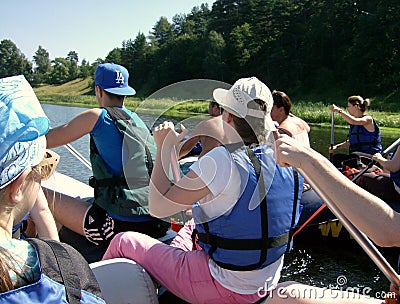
(23, 125)
(113, 78)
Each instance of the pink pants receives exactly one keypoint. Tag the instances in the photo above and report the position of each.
(177, 267)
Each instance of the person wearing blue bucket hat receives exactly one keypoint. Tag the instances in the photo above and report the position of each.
(118, 205)
(25, 275)
(23, 125)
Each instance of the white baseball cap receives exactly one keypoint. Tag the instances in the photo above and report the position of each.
(243, 91)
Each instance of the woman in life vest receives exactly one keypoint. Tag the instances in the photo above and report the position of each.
(364, 134)
(243, 206)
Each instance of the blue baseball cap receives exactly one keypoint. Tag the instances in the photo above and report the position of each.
(113, 78)
(23, 125)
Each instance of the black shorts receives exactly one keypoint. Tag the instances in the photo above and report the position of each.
(100, 228)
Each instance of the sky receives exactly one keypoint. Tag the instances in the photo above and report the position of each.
(90, 28)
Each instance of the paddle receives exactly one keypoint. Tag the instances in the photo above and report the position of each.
(388, 149)
(360, 237)
(332, 135)
(372, 162)
(78, 156)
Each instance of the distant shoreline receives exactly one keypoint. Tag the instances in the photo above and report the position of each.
(76, 93)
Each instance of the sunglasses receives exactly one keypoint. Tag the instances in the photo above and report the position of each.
(49, 164)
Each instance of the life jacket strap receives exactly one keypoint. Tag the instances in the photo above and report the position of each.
(117, 181)
(119, 114)
(243, 244)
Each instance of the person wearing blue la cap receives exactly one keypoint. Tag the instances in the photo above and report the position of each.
(113, 78)
(24, 275)
(120, 181)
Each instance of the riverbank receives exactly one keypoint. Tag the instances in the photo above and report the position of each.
(78, 93)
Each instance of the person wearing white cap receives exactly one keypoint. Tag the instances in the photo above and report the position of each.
(243, 206)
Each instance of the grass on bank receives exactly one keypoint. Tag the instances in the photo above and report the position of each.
(77, 93)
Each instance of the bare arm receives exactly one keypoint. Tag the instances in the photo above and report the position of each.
(80, 125)
(211, 134)
(342, 145)
(187, 145)
(43, 218)
(365, 121)
(166, 199)
(366, 211)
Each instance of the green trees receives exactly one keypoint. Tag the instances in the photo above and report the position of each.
(313, 47)
(12, 61)
(42, 62)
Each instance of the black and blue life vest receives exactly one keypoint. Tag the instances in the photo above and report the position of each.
(361, 140)
(125, 194)
(65, 278)
(244, 238)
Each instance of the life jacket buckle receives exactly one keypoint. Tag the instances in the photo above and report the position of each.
(92, 182)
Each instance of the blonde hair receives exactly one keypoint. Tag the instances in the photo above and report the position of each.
(6, 259)
(361, 102)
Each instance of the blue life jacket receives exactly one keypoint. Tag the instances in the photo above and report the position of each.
(66, 278)
(244, 239)
(125, 194)
(361, 140)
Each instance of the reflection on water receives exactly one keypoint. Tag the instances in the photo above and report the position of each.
(316, 264)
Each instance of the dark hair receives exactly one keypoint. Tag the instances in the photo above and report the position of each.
(7, 261)
(361, 102)
(120, 98)
(213, 103)
(282, 100)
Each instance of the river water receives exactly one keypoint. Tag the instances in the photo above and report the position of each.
(314, 263)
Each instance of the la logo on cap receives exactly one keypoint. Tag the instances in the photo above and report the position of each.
(113, 78)
(120, 77)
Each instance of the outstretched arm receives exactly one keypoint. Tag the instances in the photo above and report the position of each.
(366, 211)
(80, 125)
(342, 145)
(362, 121)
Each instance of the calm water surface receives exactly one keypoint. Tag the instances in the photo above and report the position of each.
(317, 264)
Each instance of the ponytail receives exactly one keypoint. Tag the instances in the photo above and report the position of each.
(361, 102)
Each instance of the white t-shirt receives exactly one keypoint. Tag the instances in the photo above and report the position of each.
(219, 172)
